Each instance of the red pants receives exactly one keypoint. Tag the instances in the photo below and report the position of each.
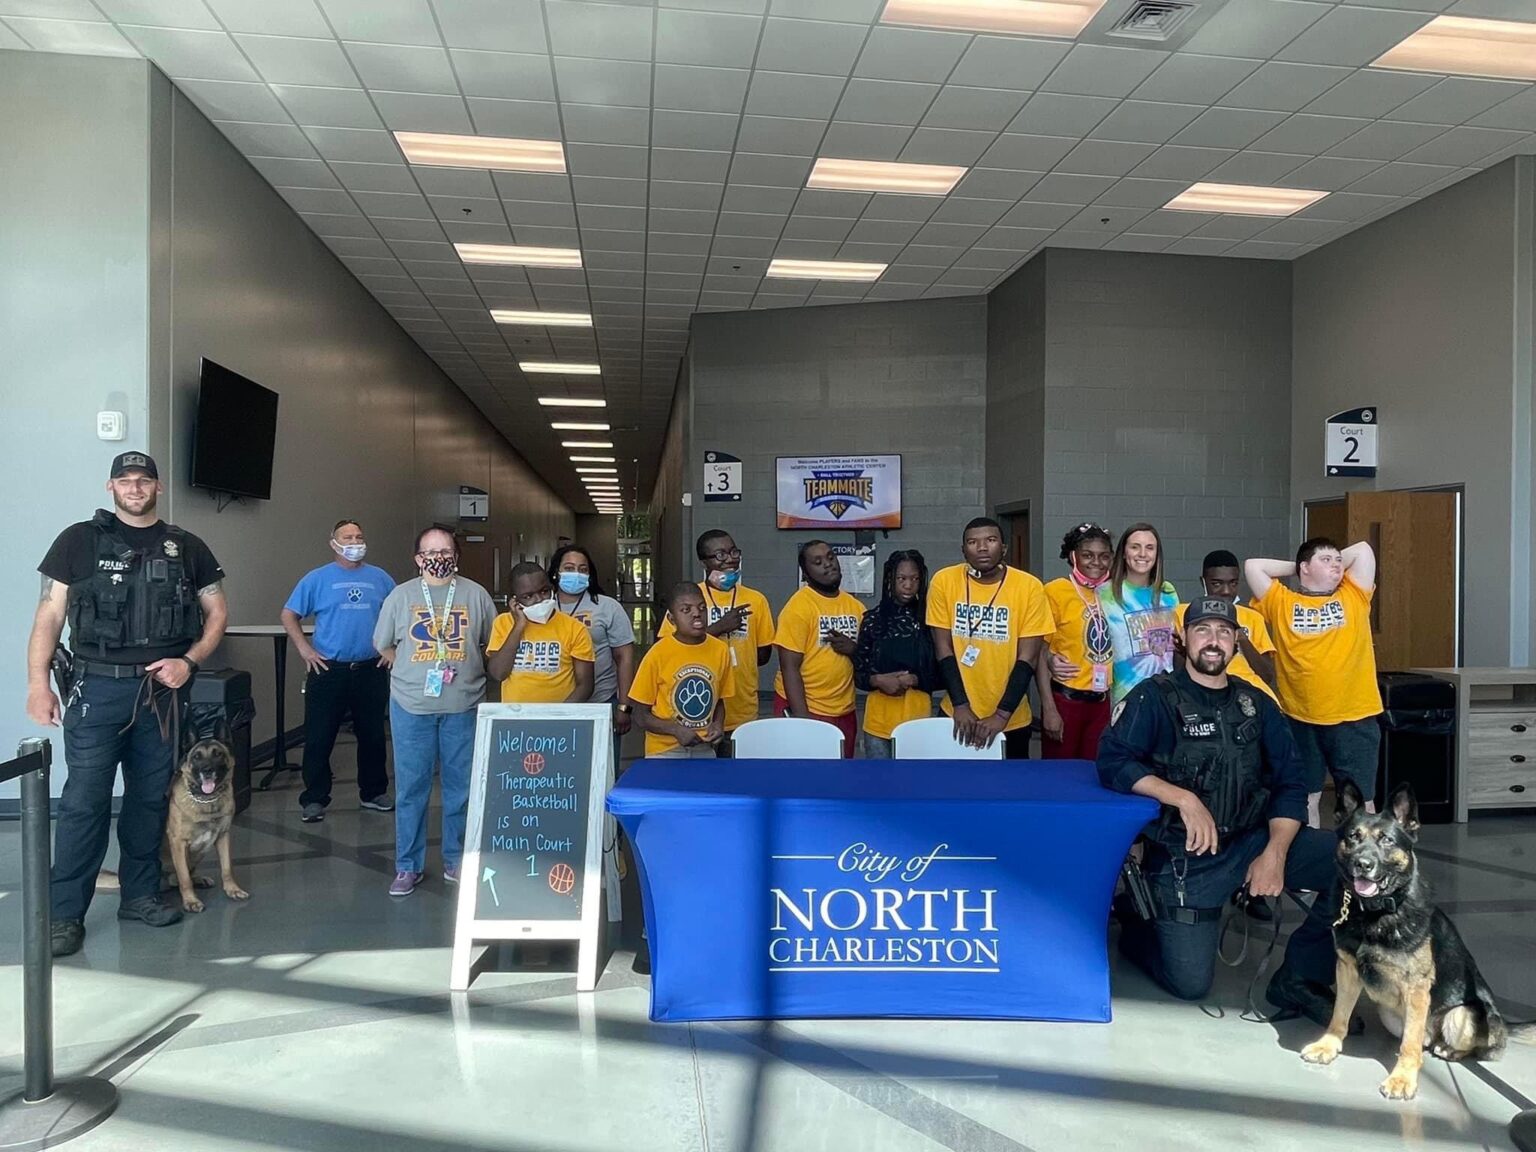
(1082, 723)
(848, 724)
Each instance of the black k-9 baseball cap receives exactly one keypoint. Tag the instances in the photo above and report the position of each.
(1210, 608)
(126, 462)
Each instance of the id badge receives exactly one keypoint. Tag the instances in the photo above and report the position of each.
(1101, 677)
(433, 688)
(972, 654)
(734, 663)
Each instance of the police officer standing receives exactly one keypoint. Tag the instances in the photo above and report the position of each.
(145, 605)
(1219, 756)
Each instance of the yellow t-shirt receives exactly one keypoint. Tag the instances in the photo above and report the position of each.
(1325, 661)
(755, 632)
(684, 682)
(1254, 628)
(544, 672)
(804, 624)
(882, 713)
(1080, 633)
(992, 618)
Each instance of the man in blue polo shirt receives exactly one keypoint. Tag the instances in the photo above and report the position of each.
(345, 673)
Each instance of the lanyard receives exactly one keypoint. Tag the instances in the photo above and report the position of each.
(438, 628)
(561, 608)
(970, 621)
(710, 592)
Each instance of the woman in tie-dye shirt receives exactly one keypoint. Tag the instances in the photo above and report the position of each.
(1138, 605)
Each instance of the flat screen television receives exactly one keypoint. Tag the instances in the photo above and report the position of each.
(235, 433)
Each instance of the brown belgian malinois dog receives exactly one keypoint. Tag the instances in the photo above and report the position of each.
(201, 811)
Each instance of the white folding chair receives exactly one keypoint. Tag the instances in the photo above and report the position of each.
(788, 738)
(934, 739)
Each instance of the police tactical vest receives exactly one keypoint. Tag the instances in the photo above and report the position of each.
(134, 598)
(1217, 755)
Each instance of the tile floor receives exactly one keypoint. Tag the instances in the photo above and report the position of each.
(316, 1017)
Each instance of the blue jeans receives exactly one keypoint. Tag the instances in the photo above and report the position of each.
(1182, 957)
(94, 745)
(421, 743)
(1347, 751)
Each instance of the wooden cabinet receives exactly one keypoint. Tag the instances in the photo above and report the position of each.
(1495, 737)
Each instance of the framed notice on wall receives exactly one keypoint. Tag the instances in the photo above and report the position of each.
(839, 492)
(533, 848)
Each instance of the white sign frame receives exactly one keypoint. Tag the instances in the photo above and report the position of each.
(793, 514)
(1350, 443)
(722, 478)
(470, 936)
(472, 498)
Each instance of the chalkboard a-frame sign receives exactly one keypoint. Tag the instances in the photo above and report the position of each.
(533, 848)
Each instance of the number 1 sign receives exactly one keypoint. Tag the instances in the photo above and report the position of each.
(1349, 443)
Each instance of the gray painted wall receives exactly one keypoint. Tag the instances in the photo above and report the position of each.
(671, 523)
(1423, 314)
(905, 377)
(1168, 400)
(73, 325)
(1016, 400)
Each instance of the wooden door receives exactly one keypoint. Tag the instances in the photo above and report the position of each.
(1328, 518)
(477, 560)
(1017, 525)
(1416, 610)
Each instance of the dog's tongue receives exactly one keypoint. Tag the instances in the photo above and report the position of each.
(1365, 887)
(209, 785)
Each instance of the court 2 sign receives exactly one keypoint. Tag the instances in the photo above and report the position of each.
(1349, 443)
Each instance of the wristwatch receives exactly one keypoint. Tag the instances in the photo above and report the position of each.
(192, 666)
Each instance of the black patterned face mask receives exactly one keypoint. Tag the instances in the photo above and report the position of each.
(439, 567)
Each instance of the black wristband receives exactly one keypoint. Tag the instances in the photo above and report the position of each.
(1018, 686)
(192, 665)
(949, 667)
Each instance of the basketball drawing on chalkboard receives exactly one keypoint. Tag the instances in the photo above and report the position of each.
(562, 878)
(533, 764)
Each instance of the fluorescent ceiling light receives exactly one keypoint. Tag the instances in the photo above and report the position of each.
(1012, 17)
(566, 426)
(519, 254)
(592, 459)
(823, 270)
(1467, 47)
(586, 444)
(595, 469)
(881, 176)
(555, 368)
(1243, 199)
(571, 402)
(543, 319)
(504, 154)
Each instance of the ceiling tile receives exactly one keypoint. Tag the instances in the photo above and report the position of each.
(603, 190)
(192, 55)
(607, 160)
(281, 140)
(958, 210)
(995, 184)
(540, 215)
(296, 173)
(1027, 153)
(694, 89)
(1461, 147)
(395, 205)
(693, 130)
(1401, 179)
(603, 124)
(452, 182)
(1054, 114)
(412, 112)
(272, 17)
(684, 194)
(355, 144)
(77, 36)
(528, 119)
(1329, 173)
(1008, 62)
(9, 39)
(324, 225)
(893, 53)
(785, 94)
(614, 32)
(329, 107)
(1518, 112)
(376, 177)
(1145, 122)
(820, 202)
(719, 38)
(604, 81)
(1255, 28)
(291, 60)
(1456, 100)
(531, 186)
(885, 102)
(1346, 206)
(320, 200)
(1228, 128)
(816, 228)
(1177, 224)
(1283, 87)
(403, 68)
(890, 206)
(1385, 140)
(383, 21)
(813, 46)
(1104, 158)
(865, 141)
(231, 100)
(770, 171)
(690, 165)
(498, 25)
(1058, 188)
(1136, 192)
(1255, 168)
(1105, 218)
(1187, 78)
(988, 109)
(508, 75)
(611, 218)
(1097, 70)
(780, 135)
(1370, 93)
(1177, 162)
(1230, 228)
(946, 146)
(1352, 36)
(1307, 134)
(1137, 242)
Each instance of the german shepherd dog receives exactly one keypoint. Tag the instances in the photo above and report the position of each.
(201, 811)
(1403, 952)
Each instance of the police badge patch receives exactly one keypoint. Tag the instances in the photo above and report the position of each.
(172, 549)
(1245, 702)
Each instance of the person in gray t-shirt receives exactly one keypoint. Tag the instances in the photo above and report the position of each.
(432, 631)
(578, 593)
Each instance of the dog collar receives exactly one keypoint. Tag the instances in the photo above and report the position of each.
(196, 799)
(1388, 904)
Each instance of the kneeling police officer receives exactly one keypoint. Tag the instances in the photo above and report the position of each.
(1219, 756)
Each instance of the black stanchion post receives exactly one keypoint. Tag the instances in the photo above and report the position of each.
(43, 1114)
(1522, 1130)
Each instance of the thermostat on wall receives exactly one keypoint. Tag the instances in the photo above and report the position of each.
(109, 425)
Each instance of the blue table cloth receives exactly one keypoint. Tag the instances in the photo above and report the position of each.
(791, 888)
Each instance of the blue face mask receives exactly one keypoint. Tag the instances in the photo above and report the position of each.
(574, 583)
(724, 581)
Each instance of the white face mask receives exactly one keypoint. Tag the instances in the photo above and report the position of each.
(352, 552)
(541, 612)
